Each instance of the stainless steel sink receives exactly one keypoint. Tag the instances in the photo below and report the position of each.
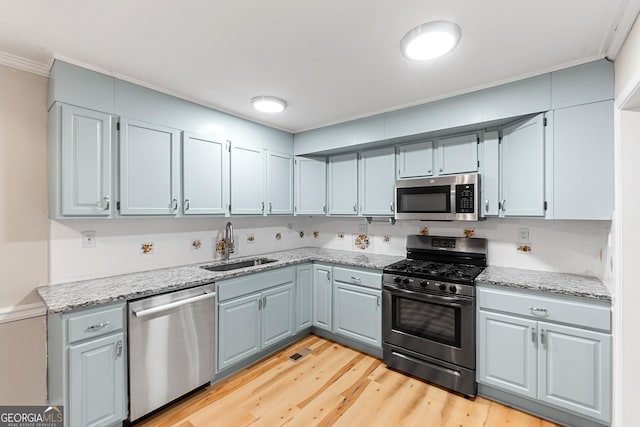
(238, 264)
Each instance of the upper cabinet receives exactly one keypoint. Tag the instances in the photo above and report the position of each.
(377, 182)
(343, 184)
(489, 174)
(310, 186)
(279, 183)
(149, 177)
(414, 160)
(247, 180)
(457, 155)
(522, 168)
(80, 144)
(205, 175)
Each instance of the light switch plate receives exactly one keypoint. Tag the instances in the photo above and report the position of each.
(88, 239)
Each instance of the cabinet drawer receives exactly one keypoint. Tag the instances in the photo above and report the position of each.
(95, 322)
(572, 311)
(357, 276)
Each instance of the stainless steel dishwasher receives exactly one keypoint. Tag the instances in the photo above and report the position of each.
(171, 347)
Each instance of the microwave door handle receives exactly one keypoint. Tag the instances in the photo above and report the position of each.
(450, 301)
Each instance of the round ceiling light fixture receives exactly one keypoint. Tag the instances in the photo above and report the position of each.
(269, 104)
(430, 40)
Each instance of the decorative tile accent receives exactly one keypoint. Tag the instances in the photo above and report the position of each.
(251, 238)
(196, 244)
(146, 248)
(316, 234)
(341, 235)
(386, 238)
(278, 236)
(424, 231)
(524, 248)
(301, 234)
(362, 241)
(469, 232)
(220, 247)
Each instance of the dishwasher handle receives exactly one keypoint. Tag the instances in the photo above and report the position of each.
(169, 306)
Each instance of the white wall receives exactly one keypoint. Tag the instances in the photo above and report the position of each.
(565, 246)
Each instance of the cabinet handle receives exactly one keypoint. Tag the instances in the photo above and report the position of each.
(262, 207)
(98, 326)
(355, 208)
(533, 335)
(270, 207)
(538, 309)
(328, 277)
(264, 302)
(260, 304)
(486, 205)
(324, 208)
(428, 170)
(542, 337)
(503, 204)
(440, 170)
(186, 204)
(105, 203)
(174, 203)
(356, 279)
(119, 348)
(391, 206)
(378, 301)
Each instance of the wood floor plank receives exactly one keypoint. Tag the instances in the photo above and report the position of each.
(333, 385)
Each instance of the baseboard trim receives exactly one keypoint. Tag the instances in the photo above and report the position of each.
(21, 312)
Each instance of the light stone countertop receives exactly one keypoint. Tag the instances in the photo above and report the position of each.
(74, 295)
(545, 281)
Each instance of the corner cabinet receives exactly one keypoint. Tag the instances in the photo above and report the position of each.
(149, 169)
(377, 182)
(343, 184)
(80, 147)
(304, 296)
(322, 296)
(551, 350)
(205, 175)
(310, 186)
(87, 365)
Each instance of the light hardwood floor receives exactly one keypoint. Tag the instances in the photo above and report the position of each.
(333, 385)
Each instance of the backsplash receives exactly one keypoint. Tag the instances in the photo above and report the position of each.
(130, 245)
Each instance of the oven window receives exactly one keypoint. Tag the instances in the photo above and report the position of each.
(436, 199)
(431, 321)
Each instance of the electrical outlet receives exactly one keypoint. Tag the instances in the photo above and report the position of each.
(523, 234)
(88, 239)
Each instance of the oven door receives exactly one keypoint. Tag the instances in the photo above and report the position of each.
(438, 326)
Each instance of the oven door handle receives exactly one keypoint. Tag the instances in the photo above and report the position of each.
(450, 301)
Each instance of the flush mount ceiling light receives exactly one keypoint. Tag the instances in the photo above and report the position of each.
(268, 104)
(430, 40)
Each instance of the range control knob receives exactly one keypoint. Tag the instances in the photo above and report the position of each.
(396, 279)
(423, 283)
(405, 281)
(443, 287)
(453, 288)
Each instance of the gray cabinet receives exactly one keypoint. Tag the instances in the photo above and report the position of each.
(80, 146)
(457, 154)
(279, 183)
(357, 311)
(554, 350)
(255, 312)
(490, 174)
(205, 175)
(322, 296)
(86, 365)
(522, 168)
(583, 162)
(149, 169)
(377, 182)
(310, 186)
(343, 184)
(304, 296)
(414, 160)
(247, 180)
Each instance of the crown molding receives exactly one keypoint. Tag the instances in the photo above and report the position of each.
(24, 64)
(623, 22)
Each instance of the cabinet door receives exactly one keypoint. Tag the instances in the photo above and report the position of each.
(205, 172)
(583, 174)
(415, 160)
(322, 302)
(343, 184)
(311, 186)
(247, 181)
(279, 183)
(522, 157)
(238, 330)
(148, 169)
(97, 393)
(575, 370)
(357, 313)
(277, 314)
(86, 162)
(304, 296)
(457, 155)
(507, 353)
(377, 181)
(489, 174)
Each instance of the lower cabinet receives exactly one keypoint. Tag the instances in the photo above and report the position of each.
(322, 296)
(566, 367)
(87, 365)
(254, 312)
(304, 296)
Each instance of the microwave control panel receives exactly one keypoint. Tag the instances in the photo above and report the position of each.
(465, 200)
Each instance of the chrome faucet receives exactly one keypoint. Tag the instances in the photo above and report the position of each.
(228, 240)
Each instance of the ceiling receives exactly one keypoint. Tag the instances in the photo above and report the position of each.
(331, 60)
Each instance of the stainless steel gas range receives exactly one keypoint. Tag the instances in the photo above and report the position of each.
(428, 310)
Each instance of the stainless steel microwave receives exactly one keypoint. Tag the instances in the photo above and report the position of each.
(442, 198)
